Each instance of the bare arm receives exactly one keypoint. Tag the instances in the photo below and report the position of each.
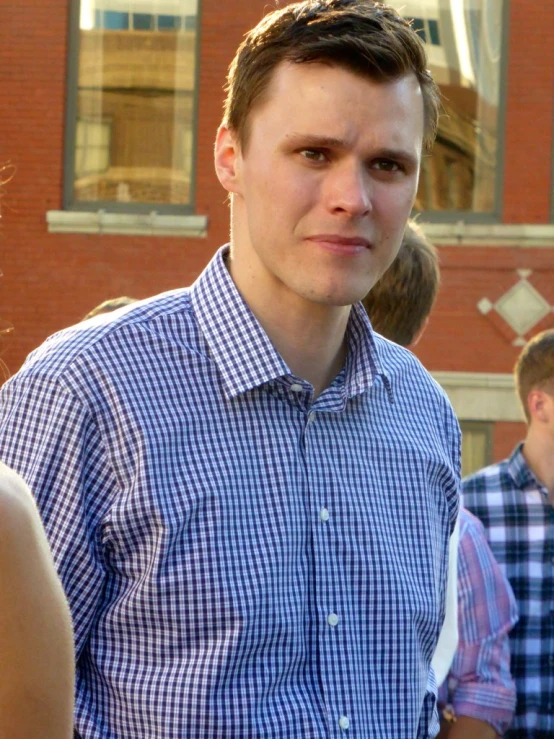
(36, 641)
(467, 728)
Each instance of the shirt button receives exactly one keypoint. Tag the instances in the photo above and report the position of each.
(344, 723)
(332, 620)
(296, 388)
(324, 514)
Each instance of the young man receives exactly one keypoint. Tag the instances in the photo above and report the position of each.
(478, 689)
(514, 500)
(236, 476)
(36, 639)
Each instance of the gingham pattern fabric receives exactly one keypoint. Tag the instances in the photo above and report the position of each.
(479, 683)
(241, 560)
(519, 525)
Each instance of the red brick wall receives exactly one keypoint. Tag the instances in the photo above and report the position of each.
(52, 280)
(505, 437)
(459, 338)
(530, 113)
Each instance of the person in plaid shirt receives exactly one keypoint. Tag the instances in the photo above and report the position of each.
(514, 499)
(478, 694)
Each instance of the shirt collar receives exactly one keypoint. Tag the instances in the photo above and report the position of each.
(243, 351)
(521, 473)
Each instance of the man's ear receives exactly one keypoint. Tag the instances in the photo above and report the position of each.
(538, 406)
(227, 156)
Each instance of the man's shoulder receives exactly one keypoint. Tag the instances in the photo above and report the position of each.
(405, 370)
(488, 478)
(167, 316)
(489, 491)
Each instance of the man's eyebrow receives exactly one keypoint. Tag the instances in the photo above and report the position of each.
(312, 139)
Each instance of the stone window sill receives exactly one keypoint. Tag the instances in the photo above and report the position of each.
(126, 224)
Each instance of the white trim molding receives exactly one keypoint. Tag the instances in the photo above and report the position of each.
(139, 224)
(481, 396)
(490, 234)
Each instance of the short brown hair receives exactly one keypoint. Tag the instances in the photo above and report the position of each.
(534, 369)
(365, 37)
(401, 300)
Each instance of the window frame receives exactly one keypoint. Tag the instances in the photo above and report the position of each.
(487, 429)
(69, 203)
(496, 215)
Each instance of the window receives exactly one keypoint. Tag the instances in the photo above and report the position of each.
(464, 41)
(132, 106)
(476, 445)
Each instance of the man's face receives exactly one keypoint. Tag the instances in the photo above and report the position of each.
(324, 187)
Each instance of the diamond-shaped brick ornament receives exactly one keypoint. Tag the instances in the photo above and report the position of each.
(522, 307)
(485, 306)
(518, 311)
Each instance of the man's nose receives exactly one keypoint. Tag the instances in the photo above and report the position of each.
(349, 189)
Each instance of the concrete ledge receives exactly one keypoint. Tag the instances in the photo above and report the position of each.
(136, 224)
(480, 396)
(497, 234)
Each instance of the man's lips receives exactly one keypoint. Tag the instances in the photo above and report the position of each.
(338, 242)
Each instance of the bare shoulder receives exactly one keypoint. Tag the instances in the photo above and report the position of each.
(19, 516)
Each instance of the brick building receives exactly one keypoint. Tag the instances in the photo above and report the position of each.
(109, 111)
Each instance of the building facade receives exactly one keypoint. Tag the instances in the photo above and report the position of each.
(110, 109)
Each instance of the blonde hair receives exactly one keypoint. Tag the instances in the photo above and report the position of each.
(534, 369)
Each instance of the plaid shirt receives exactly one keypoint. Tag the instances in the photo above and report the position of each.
(241, 559)
(479, 683)
(519, 524)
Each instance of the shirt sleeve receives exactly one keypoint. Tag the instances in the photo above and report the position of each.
(448, 637)
(479, 683)
(52, 441)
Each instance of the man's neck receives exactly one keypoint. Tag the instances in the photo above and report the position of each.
(309, 337)
(538, 451)
(315, 350)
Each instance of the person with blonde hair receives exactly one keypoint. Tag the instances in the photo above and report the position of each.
(477, 693)
(36, 640)
(514, 499)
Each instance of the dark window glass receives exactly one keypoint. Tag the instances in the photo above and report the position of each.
(434, 31)
(419, 27)
(143, 22)
(169, 22)
(115, 21)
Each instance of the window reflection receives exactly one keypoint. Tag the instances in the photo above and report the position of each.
(463, 39)
(135, 107)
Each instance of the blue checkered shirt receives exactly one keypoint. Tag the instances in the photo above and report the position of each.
(519, 524)
(241, 559)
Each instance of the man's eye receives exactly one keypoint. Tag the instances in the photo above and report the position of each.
(313, 155)
(387, 165)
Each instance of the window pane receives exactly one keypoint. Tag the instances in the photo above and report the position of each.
(135, 105)
(433, 26)
(465, 59)
(476, 446)
(419, 26)
(169, 22)
(116, 21)
(143, 22)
